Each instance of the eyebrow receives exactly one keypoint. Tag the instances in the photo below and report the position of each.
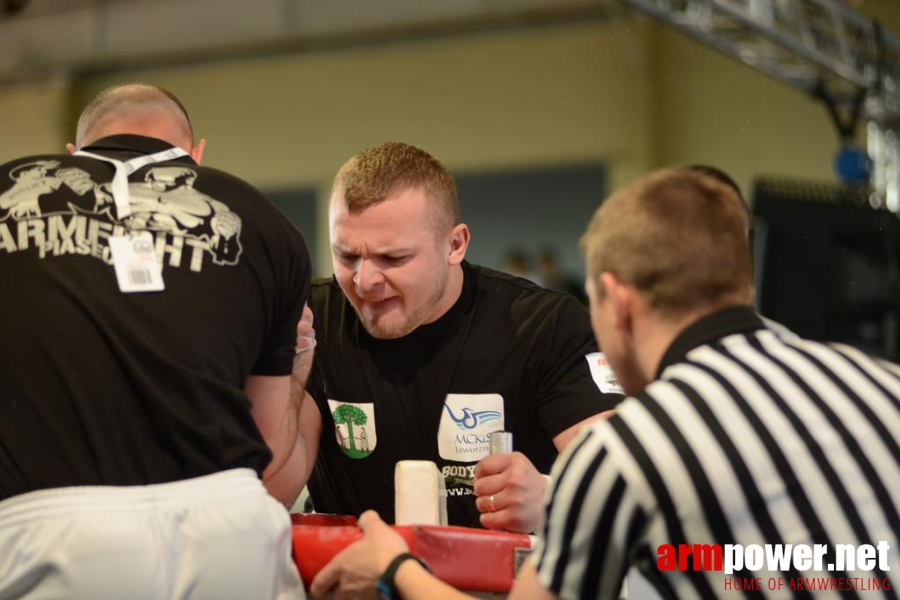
(387, 252)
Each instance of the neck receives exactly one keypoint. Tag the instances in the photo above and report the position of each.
(654, 334)
(452, 292)
(160, 131)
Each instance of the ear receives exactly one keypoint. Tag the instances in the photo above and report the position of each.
(621, 300)
(71, 149)
(197, 151)
(459, 242)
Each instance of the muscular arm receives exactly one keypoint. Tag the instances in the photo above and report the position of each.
(291, 431)
(310, 426)
(575, 385)
(289, 422)
(278, 420)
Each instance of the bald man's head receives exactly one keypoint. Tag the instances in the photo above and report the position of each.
(136, 109)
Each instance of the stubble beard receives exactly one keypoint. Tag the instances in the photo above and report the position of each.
(393, 331)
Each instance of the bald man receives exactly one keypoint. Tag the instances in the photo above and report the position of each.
(150, 311)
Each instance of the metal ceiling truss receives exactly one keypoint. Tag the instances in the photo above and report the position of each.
(821, 47)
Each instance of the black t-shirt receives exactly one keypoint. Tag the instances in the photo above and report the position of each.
(508, 355)
(100, 387)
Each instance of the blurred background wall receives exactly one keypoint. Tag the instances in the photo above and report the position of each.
(579, 100)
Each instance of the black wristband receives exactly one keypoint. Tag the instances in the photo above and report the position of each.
(385, 586)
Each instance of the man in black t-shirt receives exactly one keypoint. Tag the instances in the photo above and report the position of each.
(421, 355)
(149, 319)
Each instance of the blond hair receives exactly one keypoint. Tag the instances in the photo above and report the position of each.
(678, 237)
(375, 174)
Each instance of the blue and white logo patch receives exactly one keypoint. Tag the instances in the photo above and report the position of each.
(466, 422)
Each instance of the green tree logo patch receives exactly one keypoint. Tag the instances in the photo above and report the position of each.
(354, 427)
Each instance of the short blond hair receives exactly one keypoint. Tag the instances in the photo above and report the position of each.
(375, 174)
(678, 237)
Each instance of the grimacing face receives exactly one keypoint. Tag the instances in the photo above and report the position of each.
(389, 263)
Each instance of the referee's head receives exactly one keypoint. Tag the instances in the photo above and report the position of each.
(660, 253)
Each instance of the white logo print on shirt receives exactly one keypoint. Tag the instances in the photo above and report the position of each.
(59, 211)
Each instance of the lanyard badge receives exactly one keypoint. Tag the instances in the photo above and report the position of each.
(136, 264)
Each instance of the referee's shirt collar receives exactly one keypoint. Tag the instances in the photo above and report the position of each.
(712, 327)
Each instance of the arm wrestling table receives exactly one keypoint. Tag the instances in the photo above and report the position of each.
(469, 559)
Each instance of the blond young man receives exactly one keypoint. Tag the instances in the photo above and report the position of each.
(731, 437)
(421, 355)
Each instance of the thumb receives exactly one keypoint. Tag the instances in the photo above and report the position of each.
(369, 522)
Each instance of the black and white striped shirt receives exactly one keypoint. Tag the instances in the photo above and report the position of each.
(745, 438)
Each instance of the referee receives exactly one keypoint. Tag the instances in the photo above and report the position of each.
(734, 438)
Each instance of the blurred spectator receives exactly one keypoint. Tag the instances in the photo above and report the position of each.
(555, 278)
(516, 262)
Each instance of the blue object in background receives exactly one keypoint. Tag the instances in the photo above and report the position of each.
(852, 165)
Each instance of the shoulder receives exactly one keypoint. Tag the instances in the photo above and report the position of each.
(491, 278)
(38, 158)
(221, 182)
(242, 198)
(554, 320)
(522, 295)
(38, 164)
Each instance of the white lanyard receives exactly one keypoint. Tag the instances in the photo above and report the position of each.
(120, 193)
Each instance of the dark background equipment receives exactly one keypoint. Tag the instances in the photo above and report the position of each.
(827, 265)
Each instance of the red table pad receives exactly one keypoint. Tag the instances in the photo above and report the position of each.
(466, 558)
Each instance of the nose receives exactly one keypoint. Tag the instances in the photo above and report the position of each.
(367, 276)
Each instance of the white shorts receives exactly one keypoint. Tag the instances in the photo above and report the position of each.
(218, 536)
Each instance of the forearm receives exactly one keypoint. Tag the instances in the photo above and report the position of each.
(289, 427)
(301, 443)
(286, 474)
